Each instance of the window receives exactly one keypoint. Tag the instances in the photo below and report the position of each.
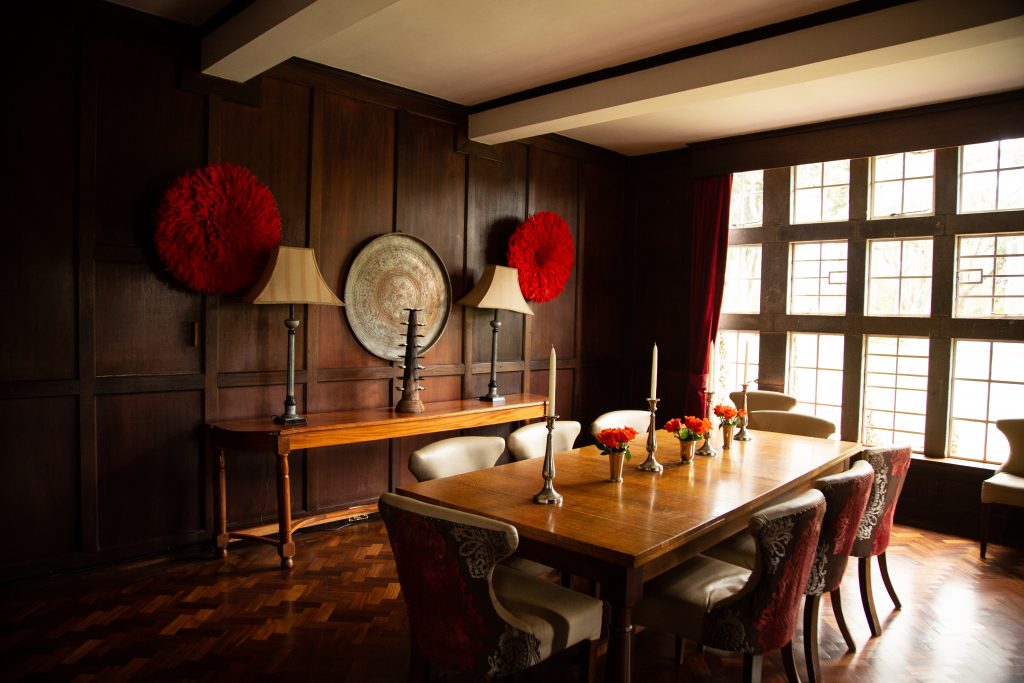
(895, 390)
(816, 373)
(990, 276)
(746, 203)
(742, 279)
(821, 192)
(899, 277)
(902, 184)
(992, 176)
(737, 352)
(988, 385)
(817, 278)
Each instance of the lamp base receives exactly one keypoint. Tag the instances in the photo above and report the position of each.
(491, 399)
(289, 420)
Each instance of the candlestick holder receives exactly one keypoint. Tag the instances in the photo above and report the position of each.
(651, 464)
(548, 495)
(707, 448)
(742, 435)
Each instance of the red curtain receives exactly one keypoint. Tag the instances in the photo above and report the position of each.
(707, 280)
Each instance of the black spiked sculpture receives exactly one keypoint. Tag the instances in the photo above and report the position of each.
(411, 388)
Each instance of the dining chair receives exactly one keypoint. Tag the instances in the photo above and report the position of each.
(531, 440)
(846, 497)
(722, 605)
(890, 464)
(469, 614)
(791, 423)
(640, 420)
(1006, 486)
(456, 455)
(764, 400)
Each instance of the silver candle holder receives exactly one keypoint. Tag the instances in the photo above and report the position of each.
(548, 495)
(651, 464)
(742, 435)
(707, 448)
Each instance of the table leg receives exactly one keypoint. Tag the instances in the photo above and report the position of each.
(285, 545)
(622, 597)
(220, 509)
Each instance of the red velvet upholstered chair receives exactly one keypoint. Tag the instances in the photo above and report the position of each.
(890, 465)
(728, 607)
(469, 614)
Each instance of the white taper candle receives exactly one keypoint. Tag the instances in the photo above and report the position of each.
(551, 382)
(654, 372)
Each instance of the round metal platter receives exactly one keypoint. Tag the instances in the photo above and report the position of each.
(392, 273)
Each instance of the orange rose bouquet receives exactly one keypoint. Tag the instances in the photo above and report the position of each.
(689, 428)
(616, 440)
(728, 415)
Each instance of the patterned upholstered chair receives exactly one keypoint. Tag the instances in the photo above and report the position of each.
(448, 457)
(890, 464)
(639, 420)
(846, 497)
(531, 441)
(791, 423)
(1005, 487)
(469, 614)
(764, 400)
(753, 611)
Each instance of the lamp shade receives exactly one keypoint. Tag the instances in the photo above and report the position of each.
(292, 277)
(497, 288)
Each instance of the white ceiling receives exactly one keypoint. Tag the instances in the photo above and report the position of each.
(474, 51)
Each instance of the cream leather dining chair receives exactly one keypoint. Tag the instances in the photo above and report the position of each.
(448, 457)
(1005, 487)
(639, 420)
(764, 400)
(791, 423)
(531, 441)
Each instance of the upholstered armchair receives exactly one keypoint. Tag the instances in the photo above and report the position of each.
(753, 611)
(469, 614)
(448, 457)
(890, 465)
(764, 400)
(791, 423)
(1005, 487)
(531, 441)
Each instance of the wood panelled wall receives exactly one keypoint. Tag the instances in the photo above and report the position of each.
(110, 369)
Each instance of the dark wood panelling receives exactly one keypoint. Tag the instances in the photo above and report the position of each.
(150, 466)
(39, 204)
(39, 485)
(606, 280)
(553, 187)
(358, 195)
(431, 179)
(143, 325)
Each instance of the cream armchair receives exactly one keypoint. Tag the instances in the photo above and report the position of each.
(1005, 487)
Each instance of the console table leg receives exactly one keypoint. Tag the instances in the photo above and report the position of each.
(220, 508)
(285, 545)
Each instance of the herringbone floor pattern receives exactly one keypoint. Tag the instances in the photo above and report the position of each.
(339, 616)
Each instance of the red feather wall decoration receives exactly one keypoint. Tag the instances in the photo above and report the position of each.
(542, 249)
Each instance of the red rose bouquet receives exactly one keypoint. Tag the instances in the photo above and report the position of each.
(728, 415)
(616, 440)
(689, 428)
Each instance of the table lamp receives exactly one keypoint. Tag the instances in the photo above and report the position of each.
(291, 277)
(498, 288)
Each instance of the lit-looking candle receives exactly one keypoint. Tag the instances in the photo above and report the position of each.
(551, 382)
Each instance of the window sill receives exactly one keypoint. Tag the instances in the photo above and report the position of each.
(959, 463)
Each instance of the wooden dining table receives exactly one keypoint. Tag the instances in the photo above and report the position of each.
(624, 534)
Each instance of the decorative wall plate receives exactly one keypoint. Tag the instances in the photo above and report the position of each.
(394, 272)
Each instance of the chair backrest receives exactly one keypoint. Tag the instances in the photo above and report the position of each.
(639, 420)
(531, 441)
(448, 457)
(1014, 431)
(445, 560)
(791, 423)
(846, 497)
(890, 464)
(763, 615)
(764, 400)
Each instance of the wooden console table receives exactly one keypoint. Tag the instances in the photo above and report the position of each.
(334, 429)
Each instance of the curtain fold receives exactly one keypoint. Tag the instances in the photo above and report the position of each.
(707, 280)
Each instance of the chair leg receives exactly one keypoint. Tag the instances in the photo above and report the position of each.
(789, 662)
(418, 668)
(866, 597)
(812, 604)
(680, 650)
(986, 521)
(883, 566)
(751, 668)
(588, 661)
(837, 610)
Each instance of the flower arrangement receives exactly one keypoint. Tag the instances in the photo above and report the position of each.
(616, 440)
(728, 415)
(689, 428)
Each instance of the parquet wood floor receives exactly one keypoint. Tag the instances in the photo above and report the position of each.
(339, 616)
